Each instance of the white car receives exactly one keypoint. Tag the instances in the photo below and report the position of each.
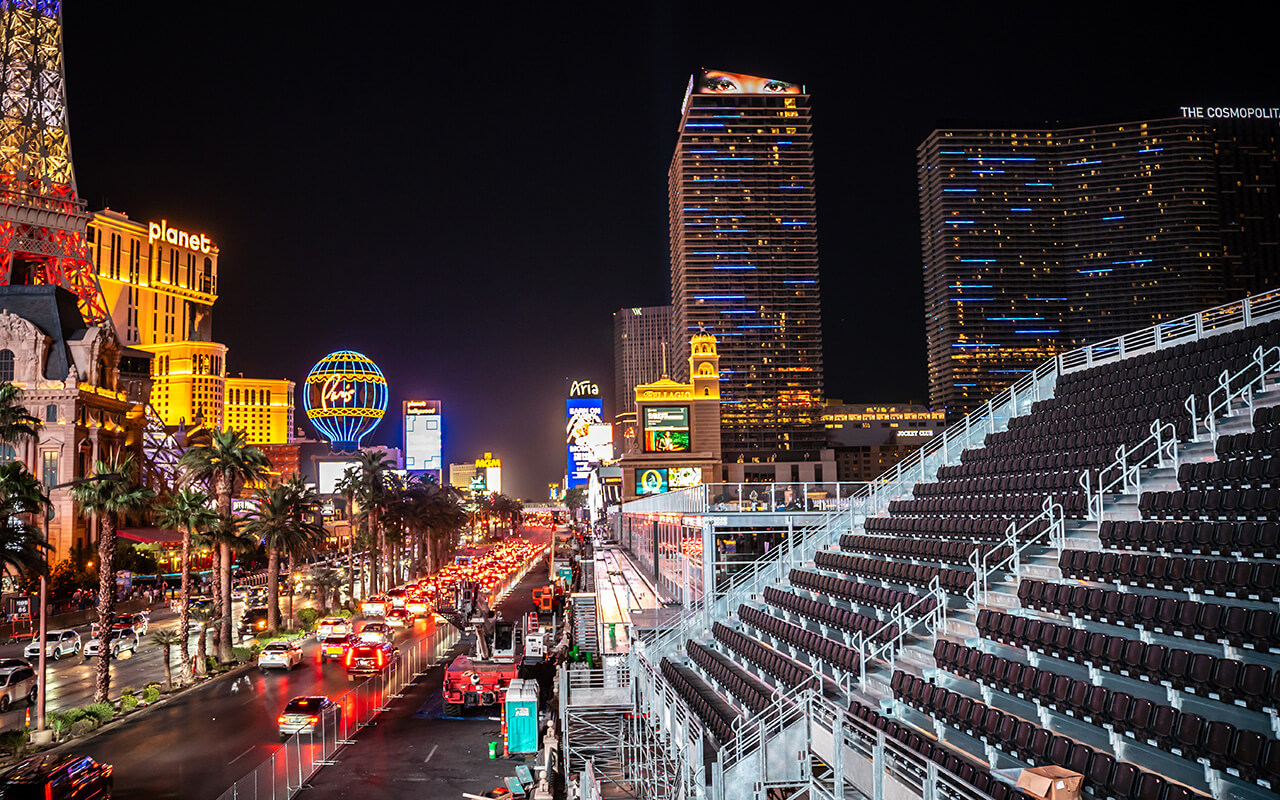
(57, 645)
(332, 626)
(280, 655)
(17, 683)
(121, 640)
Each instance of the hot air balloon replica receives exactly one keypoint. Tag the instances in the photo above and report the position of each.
(345, 397)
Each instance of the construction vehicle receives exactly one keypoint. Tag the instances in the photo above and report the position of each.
(482, 680)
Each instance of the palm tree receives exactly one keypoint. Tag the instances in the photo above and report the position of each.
(167, 640)
(224, 463)
(189, 510)
(22, 545)
(15, 423)
(306, 533)
(279, 523)
(114, 495)
(366, 483)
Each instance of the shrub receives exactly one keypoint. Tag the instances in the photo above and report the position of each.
(242, 654)
(308, 617)
(128, 702)
(14, 740)
(102, 712)
(83, 726)
(125, 692)
(75, 715)
(211, 665)
(151, 693)
(344, 613)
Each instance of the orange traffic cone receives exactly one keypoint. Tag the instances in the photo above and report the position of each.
(28, 722)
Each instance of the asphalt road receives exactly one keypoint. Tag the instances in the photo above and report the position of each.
(412, 753)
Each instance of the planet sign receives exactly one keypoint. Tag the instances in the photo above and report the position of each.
(345, 397)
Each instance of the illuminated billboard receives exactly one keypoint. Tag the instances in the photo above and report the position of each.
(666, 429)
(580, 415)
(684, 477)
(422, 436)
(329, 473)
(651, 481)
(714, 81)
(600, 441)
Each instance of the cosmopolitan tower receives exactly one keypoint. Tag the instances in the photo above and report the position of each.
(744, 260)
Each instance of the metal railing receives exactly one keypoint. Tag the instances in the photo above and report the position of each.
(1126, 471)
(286, 771)
(1017, 540)
(869, 648)
(1249, 379)
(1175, 332)
(754, 731)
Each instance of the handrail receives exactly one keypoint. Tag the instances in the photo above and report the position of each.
(906, 622)
(752, 732)
(1258, 362)
(1174, 332)
(1128, 476)
(1055, 531)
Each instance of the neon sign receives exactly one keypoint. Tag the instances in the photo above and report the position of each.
(162, 232)
(345, 397)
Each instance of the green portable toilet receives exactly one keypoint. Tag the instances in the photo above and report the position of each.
(521, 709)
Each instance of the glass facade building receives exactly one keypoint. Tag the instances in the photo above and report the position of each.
(1036, 241)
(639, 338)
(744, 260)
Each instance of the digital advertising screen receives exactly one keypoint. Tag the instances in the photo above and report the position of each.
(330, 472)
(651, 481)
(684, 477)
(422, 435)
(581, 414)
(714, 81)
(666, 429)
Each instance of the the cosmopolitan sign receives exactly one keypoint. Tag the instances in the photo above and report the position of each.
(161, 232)
(1216, 112)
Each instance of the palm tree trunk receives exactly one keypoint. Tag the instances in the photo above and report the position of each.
(288, 587)
(273, 589)
(224, 644)
(215, 569)
(168, 673)
(202, 649)
(106, 604)
(184, 614)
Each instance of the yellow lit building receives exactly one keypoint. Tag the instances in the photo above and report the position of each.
(262, 407)
(160, 283)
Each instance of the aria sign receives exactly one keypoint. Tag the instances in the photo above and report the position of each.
(584, 389)
(160, 231)
(345, 397)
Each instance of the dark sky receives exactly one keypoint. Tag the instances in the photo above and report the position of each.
(467, 196)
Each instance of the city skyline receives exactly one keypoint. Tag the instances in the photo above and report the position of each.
(478, 201)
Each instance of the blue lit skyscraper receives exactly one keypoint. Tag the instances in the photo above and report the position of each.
(744, 259)
(1038, 240)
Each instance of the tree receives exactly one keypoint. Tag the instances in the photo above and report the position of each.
(224, 463)
(575, 499)
(167, 640)
(115, 494)
(279, 522)
(189, 511)
(15, 423)
(22, 545)
(366, 483)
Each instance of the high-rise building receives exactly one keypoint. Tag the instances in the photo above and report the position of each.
(1039, 240)
(744, 259)
(640, 354)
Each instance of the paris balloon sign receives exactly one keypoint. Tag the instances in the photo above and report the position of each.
(345, 397)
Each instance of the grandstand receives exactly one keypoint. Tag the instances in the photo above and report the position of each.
(1082, 573)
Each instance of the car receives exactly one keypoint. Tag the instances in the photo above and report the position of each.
(335, 646)
(57, 644)
(376, 606)
(330, 626)
(10, 663)
(120, 641)
(304, 715)
(281, 654)
(400, 618)
(397, 597)
(369, 658)
(376, 631)
(17, 683)
(253, 622)
(57, 777)
(136, 622)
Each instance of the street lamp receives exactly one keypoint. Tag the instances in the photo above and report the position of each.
(44, 597)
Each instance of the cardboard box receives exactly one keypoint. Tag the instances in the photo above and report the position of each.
(1051, 783)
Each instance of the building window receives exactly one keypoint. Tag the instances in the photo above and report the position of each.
(49, 468)
(51, 413)
(6, 366)
(7, 453)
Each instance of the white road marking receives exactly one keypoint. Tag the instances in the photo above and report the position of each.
(242, 755)
(432, 753)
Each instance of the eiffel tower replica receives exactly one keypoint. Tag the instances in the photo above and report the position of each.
(42, 218)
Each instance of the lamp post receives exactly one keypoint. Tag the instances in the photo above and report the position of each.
(44, 599)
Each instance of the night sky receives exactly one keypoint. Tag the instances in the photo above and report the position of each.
(466, 197)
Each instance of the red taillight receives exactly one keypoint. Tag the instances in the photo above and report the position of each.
(313, 720)
(380, 657)
(350, 653)
(280, 719)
